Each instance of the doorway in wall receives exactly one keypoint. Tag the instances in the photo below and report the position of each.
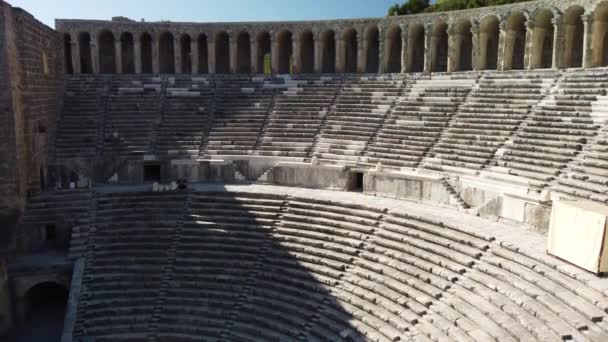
(152, 173)
(355, 181)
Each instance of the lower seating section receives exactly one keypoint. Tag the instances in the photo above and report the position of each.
(247, 266)
(417, 120)
(297, 116)
(558, 130)
(488, 118)
(133, 115)
(359, 111)
(126, 258)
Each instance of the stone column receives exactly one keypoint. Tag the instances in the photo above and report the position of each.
(528, 49)
(94, 54)
(177, 54)
(75, 46)
(475, 46)
(339, 54)
(211, 53)
(194, 53)
(253, 48)
(452, 58)
(137, 54)
(404, 47)
(587, 41)
(502, 44)
(557, 42)
(296, 59)
(361, 53)
(274, 53)
(232, 39)
(118, 55)
(155, 54)
(316, 36)
(428, 54)
(382, 50)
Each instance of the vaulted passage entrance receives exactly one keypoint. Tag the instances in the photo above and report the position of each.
(45, 306)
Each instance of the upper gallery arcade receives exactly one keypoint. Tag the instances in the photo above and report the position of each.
(530, 35)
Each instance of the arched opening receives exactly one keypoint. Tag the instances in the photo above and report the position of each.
(166, 53)
(285, 51)
(203, 61)
(515, 42)
(350, 51)
(222, 53)
(541, 54)
(573, 33)
(84, 41)
(439, 48)
(127, 53)
(107, 53)
(599, 40)
(329, 52)
(463, 46)
(307, 52)
(243, 55)
(416, 49)
(263, 46)
(44, 308)
(373, 49)
(393, 46)
(186, 52)
(146, 53)
(488, 43)
(67, 53)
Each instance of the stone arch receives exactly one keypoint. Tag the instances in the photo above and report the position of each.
(222, 53)
(599, 40)
(329, 51)
(393, 46)
(285, 52)
(439, 47)
(203, 54)
(67, 53)
(415, 53)
(146, 53)
(127, 53)
(463, 45)
(166, 53)
(307, 52)
(515, 42)
(243, 53)
(573, 32)
(541, 53)
(372, 38)
(488, 43)
(263, 45)
(86, 61)
(107, 52)
(350, 50)
(186, 53)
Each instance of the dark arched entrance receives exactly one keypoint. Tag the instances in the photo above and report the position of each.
(44, 308)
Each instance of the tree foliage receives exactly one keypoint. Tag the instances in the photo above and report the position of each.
(422, 6)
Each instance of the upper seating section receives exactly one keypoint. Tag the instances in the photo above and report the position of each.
(246, 266)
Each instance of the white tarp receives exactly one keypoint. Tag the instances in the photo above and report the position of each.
(577, 234)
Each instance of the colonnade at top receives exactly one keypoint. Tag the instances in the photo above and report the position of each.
(543, 38)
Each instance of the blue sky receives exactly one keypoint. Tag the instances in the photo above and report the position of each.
(204, 10)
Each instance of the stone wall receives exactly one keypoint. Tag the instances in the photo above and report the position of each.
(31, 73)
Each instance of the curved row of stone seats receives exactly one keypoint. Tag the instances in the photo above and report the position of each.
(186, 112)
(417, 120)
(243, 105)
(125, 261)
(133, 115)
(359, 111)
(486, 120)
(49, 209)
(559, 128)
(297, 116)
(217, 258)
(79, 122)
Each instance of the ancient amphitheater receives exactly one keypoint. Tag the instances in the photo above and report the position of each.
(382, 179)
